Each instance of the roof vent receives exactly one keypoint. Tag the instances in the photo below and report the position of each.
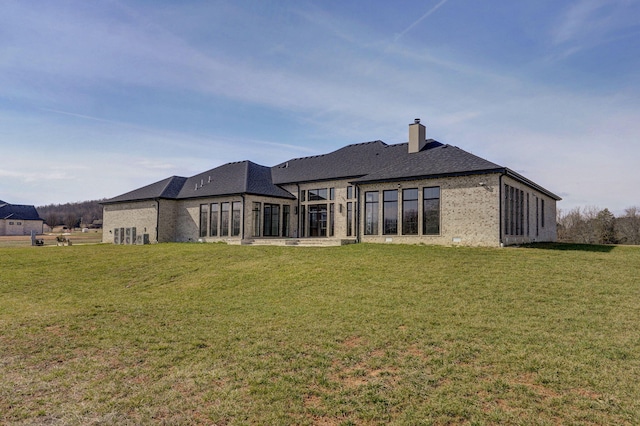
(416, 121)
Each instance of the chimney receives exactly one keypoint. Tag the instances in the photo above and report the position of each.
(417, 136)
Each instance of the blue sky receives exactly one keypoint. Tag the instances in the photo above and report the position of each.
(99, 98)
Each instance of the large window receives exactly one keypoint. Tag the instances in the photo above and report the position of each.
(317, 220)
(256, 219)
(390, 212)
(318, 194)
(271, 220)
(410, 211)
(224, 219)
(331, 219)
(236, 219)
(204, 217)
(431, 211)
(286, 217)
(214, 220)
(349, 218)
(514, 211)
(371, 200)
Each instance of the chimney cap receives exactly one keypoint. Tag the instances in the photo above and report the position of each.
(416, 121)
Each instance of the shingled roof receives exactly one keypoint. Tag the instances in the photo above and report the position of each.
(244, 177)
(18, 212)
(166, 188)
(366, 162)
(349, 162)
(433, 160)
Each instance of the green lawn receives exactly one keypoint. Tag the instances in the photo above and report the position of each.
(353, 335)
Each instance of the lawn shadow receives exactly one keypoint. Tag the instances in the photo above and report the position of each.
(596, 248)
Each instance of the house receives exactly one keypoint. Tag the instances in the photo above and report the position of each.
(421, 191)
(17, 219)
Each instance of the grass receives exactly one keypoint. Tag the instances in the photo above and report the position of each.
(353, 335)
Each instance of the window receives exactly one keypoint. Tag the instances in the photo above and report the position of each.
(204, 217)
(349, 218)
(271, 220)
(431, 211)
(410, 211)
(303, 223)
(318, 194)
(390, 212)
(528, 216)
(303, 194)
(349, 192)
(317, 220)
(256, 219)
(514, 211)
(332, 193)
(224, 219)
(537, 217)
(236, 218)
(214, 220)
(286, 217)
(331, 220)
(371, 200)
(542, 212)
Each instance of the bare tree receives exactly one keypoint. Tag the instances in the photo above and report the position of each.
(605, 227)
(628, 226)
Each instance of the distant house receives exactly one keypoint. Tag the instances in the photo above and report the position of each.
(421, 191)
(17, 219)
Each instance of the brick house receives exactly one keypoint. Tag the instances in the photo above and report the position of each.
(422, 191)
(18, 219)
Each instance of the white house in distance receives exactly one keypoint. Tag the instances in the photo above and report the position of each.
(17, 219)
(422, 191)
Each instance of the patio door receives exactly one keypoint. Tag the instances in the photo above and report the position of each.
(317, 220)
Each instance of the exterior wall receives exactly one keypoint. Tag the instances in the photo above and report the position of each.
(10, 227)
(142, 215)
(167, 221)
(188, 220)
(469, 211)
(340, 206)
(473, 212)
(538, 224)
(249, 217)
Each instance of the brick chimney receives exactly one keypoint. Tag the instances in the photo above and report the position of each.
(417, 136)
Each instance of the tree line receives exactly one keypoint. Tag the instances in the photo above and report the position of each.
(591, 225)
(72, 215)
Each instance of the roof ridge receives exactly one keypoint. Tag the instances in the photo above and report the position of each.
(332, 152)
